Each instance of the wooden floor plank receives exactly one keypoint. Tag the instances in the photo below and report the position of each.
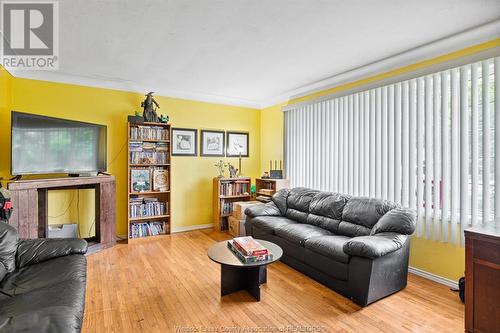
(166, 283)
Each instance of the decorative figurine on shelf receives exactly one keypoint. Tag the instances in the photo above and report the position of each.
(163, 119)
(220, 167)
(233, 172)
(149, 112)
(265, 175)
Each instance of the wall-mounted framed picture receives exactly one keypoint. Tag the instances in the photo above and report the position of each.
(212, 143)
(237, 144)
(184, 142)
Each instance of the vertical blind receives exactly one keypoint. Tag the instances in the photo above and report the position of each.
(431, 143)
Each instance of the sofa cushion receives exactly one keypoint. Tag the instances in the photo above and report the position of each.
(269, 224)
(280, 198)
(45, 274)
(300, 198)
(328, 204)
(297, 215)
(352, 230)
(329, 246)
(298, 233)
(323, 222)
(366, 211)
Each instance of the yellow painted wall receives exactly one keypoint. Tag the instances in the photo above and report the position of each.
(438, 258)
(192, 176)
(271, 133)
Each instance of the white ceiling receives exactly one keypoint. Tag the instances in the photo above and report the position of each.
(244, 51)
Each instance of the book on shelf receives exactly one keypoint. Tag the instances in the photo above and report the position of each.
(160, 180)
(145, 229)
(149, 133)
(246, 258)
(234, 188)
(140, 179)
(146, 207)
(148, 157)
(226, 208)
(249, 246)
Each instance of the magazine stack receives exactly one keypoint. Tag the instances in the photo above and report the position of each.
(248, 250)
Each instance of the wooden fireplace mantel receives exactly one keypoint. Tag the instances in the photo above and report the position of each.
(30, 202)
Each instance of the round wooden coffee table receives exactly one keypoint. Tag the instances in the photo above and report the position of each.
(236, 275)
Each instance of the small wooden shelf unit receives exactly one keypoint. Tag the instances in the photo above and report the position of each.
(265, 188)
(228, 191)
(161, 196)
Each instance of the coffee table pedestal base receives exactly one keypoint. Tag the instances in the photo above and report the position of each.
(234, 279)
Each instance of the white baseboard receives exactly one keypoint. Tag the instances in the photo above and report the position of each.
(433, 277)
(192, 227)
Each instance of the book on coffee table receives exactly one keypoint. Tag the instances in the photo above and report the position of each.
(249, 246)
(247, 259)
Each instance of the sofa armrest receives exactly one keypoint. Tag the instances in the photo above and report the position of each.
(398, 220)
(32, 251)
(375, 246)
(268, 209)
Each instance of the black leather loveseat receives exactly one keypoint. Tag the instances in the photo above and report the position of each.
(357, 246)
(42, 283)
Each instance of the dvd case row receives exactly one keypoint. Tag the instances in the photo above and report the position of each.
(147, 207)
(148, 157)
(148, 133)
(138, 230)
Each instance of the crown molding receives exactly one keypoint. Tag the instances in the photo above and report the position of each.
(124, 85)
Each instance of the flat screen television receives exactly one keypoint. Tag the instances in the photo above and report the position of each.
(46, 145)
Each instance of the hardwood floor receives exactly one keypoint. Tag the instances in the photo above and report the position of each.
(168, 284)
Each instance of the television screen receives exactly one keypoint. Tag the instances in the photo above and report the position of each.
(45, 145)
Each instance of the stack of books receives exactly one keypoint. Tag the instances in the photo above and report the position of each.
(248, 250)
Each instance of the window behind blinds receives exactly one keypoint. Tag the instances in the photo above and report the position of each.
(430, 143)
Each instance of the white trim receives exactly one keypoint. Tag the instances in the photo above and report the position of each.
(433, 277)
(192, 228)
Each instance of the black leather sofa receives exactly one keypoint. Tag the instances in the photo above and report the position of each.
(356, 246)
(42, 283)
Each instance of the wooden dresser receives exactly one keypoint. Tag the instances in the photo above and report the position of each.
(482, 280)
